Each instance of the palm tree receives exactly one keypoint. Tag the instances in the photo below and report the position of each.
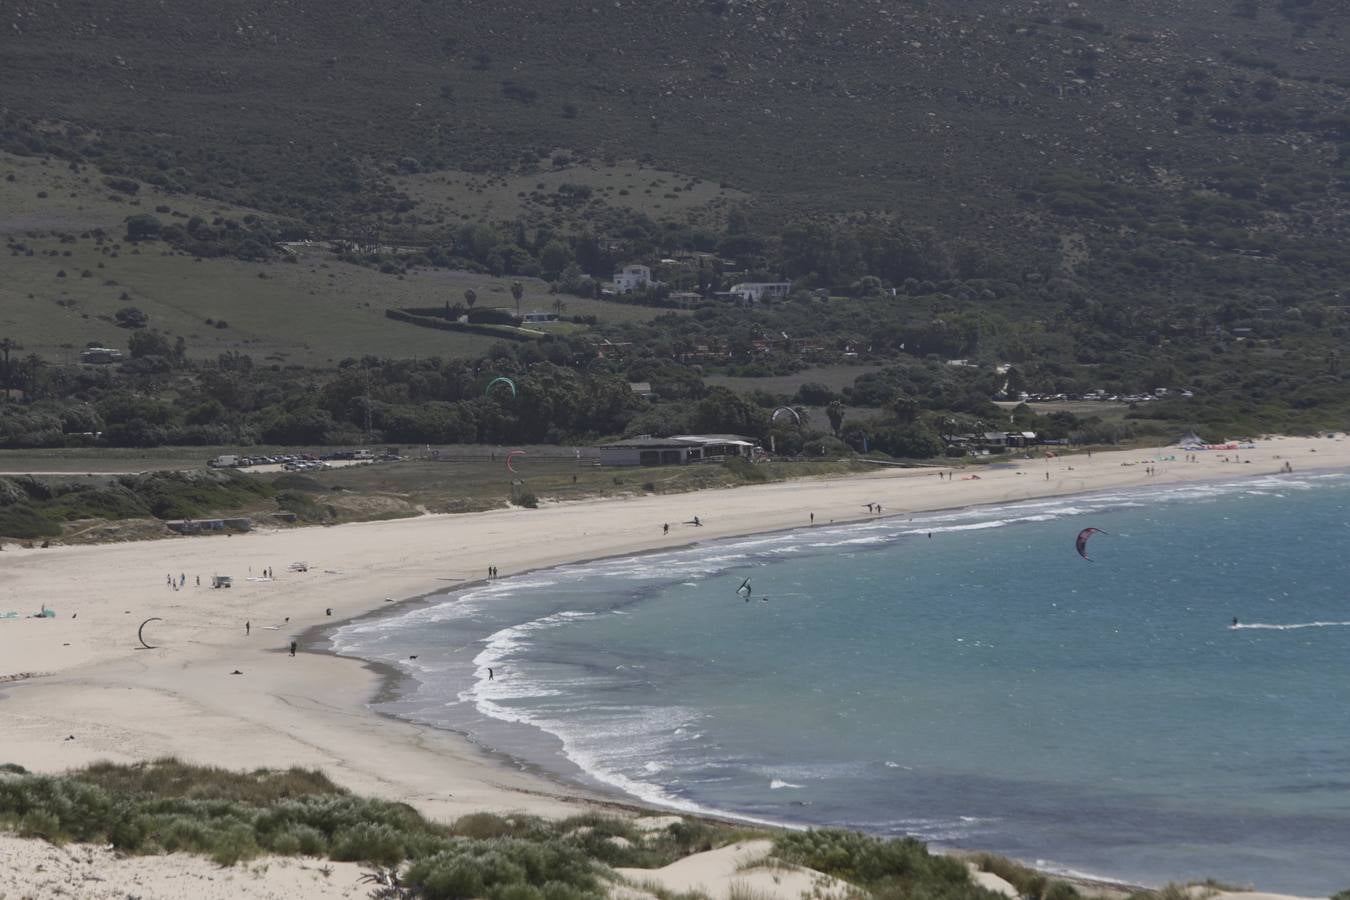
(32, 362)
(517, 291)
(6, 346)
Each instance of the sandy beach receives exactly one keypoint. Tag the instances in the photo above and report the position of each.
(78, 687)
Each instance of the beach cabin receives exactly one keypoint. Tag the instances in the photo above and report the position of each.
(221, 581)
(649, 451)
(674, 451)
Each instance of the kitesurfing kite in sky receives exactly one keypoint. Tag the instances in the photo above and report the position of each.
(500, 379)
(1081, 543)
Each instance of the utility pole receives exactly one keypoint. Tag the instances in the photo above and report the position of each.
(368, 429)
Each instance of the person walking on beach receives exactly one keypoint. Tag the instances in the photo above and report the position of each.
(199, 581)
(293, 645)
(247, 626)
(813, 518)
(665, 528)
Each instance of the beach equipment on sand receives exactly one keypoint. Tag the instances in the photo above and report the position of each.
(510, 457)
(140, 632)
(1080, 544)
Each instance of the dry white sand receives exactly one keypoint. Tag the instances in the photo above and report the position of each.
(744, 867)
(38, 869)
(78, 687)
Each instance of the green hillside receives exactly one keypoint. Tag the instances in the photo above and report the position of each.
(1106, 196)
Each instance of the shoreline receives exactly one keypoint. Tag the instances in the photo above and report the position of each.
(571, 774)
(121, 703)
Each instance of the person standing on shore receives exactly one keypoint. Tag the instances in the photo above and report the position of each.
(293, 646)
(247, 626)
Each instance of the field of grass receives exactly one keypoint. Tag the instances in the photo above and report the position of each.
(77, 201)
(312, 313)
(466, 483)
(461, 479)
(464, 196)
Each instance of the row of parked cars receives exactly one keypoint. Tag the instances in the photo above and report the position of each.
(292, 463)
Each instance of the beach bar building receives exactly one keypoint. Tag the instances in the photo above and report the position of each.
(674, 451)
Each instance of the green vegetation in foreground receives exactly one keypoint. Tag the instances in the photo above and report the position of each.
(169, 806)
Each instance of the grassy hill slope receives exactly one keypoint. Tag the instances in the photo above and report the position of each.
(829, 104)
(313, 312)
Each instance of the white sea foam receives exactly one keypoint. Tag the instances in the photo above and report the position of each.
(1255, 626)
(658, 753)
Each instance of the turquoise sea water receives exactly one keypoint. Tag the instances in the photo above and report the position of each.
(983, 687)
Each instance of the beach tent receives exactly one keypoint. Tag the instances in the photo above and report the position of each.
(1191, 441)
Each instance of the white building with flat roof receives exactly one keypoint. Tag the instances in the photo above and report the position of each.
(632, 278)
(759, 291)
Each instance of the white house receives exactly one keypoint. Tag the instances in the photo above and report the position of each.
(760, 291)
(100, 355)
(632, 278)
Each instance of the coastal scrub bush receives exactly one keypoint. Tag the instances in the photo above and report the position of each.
(485, 825)
(1029, 883)
(899, 868)
(24, 522)
(506, 869)
(169, 777)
